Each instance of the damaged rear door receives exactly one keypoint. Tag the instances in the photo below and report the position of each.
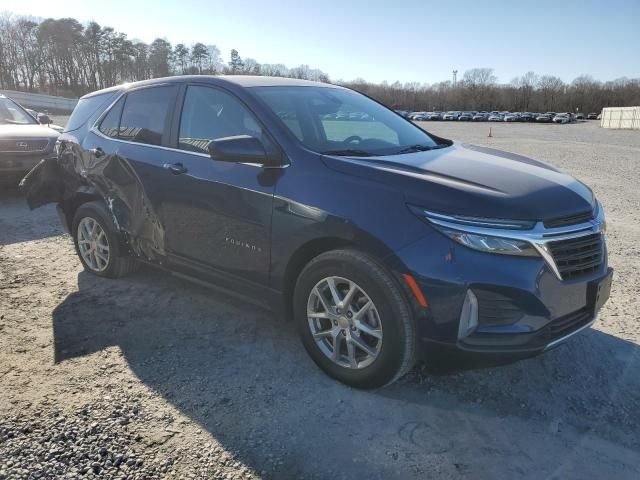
(176, 205)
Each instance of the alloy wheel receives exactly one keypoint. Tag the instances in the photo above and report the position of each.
(344, 322)
(93, 244)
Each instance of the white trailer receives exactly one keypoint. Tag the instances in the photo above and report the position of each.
(621, 117)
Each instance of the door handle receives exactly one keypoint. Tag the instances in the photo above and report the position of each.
(97, 152)
(175, 168)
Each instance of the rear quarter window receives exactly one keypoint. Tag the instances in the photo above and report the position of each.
(86, 108)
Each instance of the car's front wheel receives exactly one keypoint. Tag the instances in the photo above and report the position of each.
(97, 242)
(354, 320)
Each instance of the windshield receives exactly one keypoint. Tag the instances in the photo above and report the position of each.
(342, 122)
(13, 114)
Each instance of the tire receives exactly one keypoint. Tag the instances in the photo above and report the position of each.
(389, 317)
(117, 263)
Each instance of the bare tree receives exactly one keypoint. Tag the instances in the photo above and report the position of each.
(478, 84)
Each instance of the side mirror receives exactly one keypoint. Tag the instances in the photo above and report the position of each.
(241, 149)
(43, 119)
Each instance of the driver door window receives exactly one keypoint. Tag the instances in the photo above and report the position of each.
(209, 114)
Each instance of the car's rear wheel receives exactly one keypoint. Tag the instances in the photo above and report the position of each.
(354, 320)
(97, 242)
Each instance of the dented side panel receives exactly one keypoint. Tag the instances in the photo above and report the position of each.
(216, 215)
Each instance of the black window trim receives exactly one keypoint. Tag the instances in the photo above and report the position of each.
(177, 113)
(165, 133)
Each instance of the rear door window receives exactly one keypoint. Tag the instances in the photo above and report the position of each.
(145, 114)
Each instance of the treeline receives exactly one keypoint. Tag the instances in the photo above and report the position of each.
(479, 90)
(64, 57)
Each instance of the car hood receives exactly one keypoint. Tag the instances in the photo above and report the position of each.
(27, 131)
(475, 181)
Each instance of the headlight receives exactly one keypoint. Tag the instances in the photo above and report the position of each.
(486, 243)
(477, 233)
(599, 215)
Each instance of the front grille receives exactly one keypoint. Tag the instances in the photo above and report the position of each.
(18, 146)
(570, 220)
(568, 323)
(577, 256)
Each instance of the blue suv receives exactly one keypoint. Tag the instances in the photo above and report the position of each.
(375, 237)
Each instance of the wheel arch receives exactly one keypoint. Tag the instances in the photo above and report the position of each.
(74, 201)
(300, 258)
(312, 248)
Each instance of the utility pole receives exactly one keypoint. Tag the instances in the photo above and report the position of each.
(455, 78)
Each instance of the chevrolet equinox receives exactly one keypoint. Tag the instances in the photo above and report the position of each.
(375, 237)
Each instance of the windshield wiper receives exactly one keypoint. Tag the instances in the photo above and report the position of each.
(349, 153)
(414, 148)
(419, 148)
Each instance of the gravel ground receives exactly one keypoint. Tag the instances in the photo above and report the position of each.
(153, 377)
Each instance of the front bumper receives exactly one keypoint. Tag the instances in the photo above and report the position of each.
(523, 307)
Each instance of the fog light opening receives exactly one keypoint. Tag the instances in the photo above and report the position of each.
(468, 316)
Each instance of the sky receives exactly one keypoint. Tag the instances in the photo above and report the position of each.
(406, 40)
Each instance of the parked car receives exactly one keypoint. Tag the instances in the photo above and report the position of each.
(403, 113)
(495, 117)
(528, 117)
(36, 116)
(512, 117)
(480, 117)
(545, 118)
(23, 141)
(419, 116)
(466, 116)
(579, 116)
(592, 116)
(564, 118)
(146, 173)
(434, 116)
(452, 115)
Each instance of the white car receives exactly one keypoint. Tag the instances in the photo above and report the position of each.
(564, 118)
(453, 115)
(496, 117)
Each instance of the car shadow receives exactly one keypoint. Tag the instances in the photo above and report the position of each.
(243, 376)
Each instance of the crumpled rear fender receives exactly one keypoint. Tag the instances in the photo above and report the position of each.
(44, 183)
(74, 177)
